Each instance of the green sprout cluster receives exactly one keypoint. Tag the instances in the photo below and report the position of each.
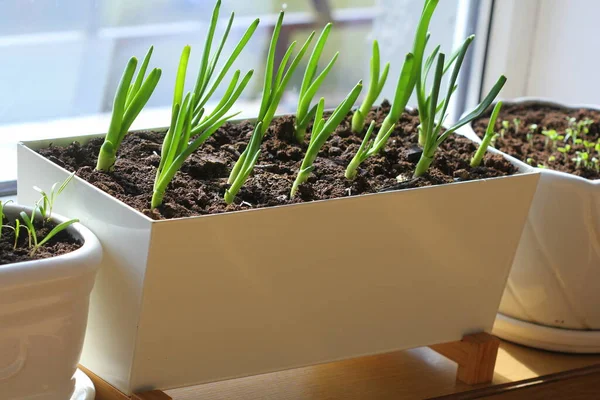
(43, 210)
(192, 125)
(572, 144)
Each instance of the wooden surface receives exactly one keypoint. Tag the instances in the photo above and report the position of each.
(475, 356)
(412, 374)
(152, 395)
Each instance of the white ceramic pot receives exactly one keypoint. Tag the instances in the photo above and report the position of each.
(193, 300)
(555, 278)
(43, 316)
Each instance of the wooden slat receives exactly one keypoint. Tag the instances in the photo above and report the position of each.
(104, 391)
(475, 355)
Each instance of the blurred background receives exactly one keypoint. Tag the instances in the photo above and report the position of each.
(61, 60)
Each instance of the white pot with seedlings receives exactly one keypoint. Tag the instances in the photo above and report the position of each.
(551, 299)
(44, 298)
(210, 297)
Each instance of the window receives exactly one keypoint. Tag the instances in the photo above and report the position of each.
(60, 61)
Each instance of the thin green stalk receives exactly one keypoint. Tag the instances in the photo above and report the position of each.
(412, 70)
(404, 89)
(421, 38)
(375, 87)
(309, 87)
(487, 139)
(273, 90)
(129, 101)
(322, 130)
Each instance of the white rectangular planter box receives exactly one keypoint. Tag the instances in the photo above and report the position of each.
(194, 300)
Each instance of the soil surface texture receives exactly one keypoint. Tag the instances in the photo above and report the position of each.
(62, 243)
(199, 186)
(536, 150)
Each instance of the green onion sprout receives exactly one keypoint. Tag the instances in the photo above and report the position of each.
(188, 119)
(322, 130)
(375, 87)
(432, 114)
(272, 92)
(129, 101)
(403, 92)
(309, 86)
(487, 139)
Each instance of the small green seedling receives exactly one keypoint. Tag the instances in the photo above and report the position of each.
(129, 101)
(595, 164)
(517, 123)
(322, 130)
(565, 150)
(577, 128)
(505, 126)
(310, 85)
(375, 87)
(489, 135)
(552, 136)
(2, 216)
(29, 223)
(581, 159)
(272, 92)
(46, 203)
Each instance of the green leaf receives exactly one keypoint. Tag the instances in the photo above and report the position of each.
(181, 73)
(140, 77)
(57, 229)
(269, 67)
(120, 100)
(477, 111)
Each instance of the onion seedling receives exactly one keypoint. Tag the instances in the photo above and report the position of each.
(375, 87)
(272, 92)
(322, 130)
(489, 135)
(309, 87)
(208, 65)
(188, 119)
(403, 91)
(431, 125)
(412, 62)
(129, 101)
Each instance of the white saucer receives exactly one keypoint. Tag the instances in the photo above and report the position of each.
(84, 388)
(544, 337)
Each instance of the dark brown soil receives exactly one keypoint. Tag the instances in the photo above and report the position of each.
(60, 244)
(545, 117)
(200, 185)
